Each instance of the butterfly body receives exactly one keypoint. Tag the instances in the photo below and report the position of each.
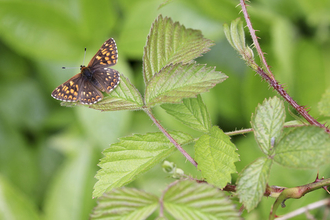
(93, 79)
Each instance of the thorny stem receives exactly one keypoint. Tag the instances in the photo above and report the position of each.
(254, 38)
(176, 144)
(270, 78)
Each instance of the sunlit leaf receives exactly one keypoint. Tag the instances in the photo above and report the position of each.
(191, 112)
(125, 203)
(303, 147)
(252, 182)
(170, 42)
(267, 123)
(175, 82)
(216, 155)
(133, 155)
(191, 200)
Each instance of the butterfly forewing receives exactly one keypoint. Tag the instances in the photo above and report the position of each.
(106, 56)
(69, 91)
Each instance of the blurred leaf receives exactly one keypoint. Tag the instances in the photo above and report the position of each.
(69, 196)
(14, 150)
(23, 109)
(324, 104)
(216, 155)
(252, 181)
(124, 97)
(135, 26)
(223, 10)
(103, 128)
(171, 43)
(178, 81)
(267, 123)
(303, 147)
(310, 73)
(133, 155)
(191, 112)
(101, 28)
(191, 200)
(283, 44)
(125, 203)
(192, 18)
(38, 29)
(14, 205)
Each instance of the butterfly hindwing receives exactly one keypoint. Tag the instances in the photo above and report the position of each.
(108, 78)
(89, 94)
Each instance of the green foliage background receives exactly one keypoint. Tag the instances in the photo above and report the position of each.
(48, 153)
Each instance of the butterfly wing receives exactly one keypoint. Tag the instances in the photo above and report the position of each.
(78, 88)
(69, 91)
(89, 94)
(106, 79)
(106, 56)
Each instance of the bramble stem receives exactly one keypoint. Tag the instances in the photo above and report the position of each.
(176, 144)
(270, 78)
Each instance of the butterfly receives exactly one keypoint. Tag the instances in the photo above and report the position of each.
(93, 79)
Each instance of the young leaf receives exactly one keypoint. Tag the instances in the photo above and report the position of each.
(133, 155)
(267, 123)
(303, 147)
(215, 155)
(124, 97)
(191, 112)
(324, 104)
(125, 203)
(191, 200)
(175, 82)
(170, 42)
(252, 181)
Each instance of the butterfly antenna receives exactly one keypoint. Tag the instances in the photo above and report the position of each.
(84, 55)
(63, 67)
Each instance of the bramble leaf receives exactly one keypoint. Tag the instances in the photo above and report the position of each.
(171, 43)
(133, 155)
(303, 147)
(216, 155)
(267, 123)
(252, 182)
(125, 203)
(175, 82)
(191, 200)
(191, 112)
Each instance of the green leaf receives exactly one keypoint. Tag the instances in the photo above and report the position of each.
(236, 37)
(175, 82)
(191, 200)
(252, 181)
(324, 104)
(134, 155)
(268, 123)
(170, 43)
(124, 97)
(125, 203)
(216, 155)
(191, 112)
(14, 205)
(304, 147)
